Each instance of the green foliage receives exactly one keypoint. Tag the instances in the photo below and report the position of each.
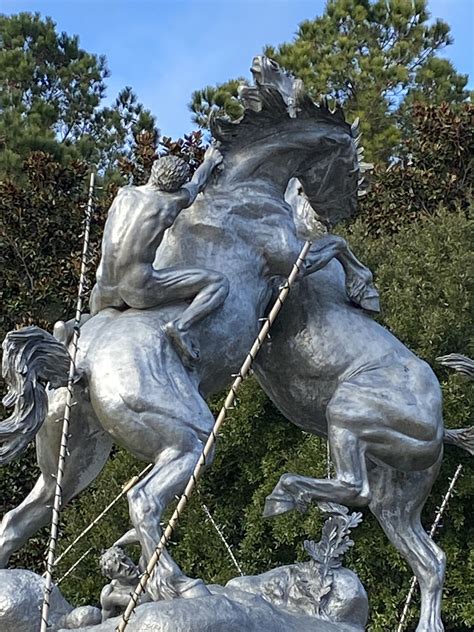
(190, 148)
(41, 223)
(50, 99)
(436, 170)
(376, 57)
(221, 98)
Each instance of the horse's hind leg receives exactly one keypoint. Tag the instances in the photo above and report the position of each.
(165, 422)
(150, 497)
(89, 448)
(397, 501)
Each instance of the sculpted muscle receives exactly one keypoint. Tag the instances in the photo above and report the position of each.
(137, 221)
(135, 226)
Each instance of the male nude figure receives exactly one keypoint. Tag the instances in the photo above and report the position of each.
(135, 226)
(124, 576)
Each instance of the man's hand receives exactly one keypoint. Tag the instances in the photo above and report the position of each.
(212, 158)
(213, 155)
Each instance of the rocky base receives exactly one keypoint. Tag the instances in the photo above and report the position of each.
(21, 599)
(234, 612)
(276, 601)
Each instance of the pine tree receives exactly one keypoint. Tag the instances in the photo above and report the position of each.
(50, 99)
(375, 57)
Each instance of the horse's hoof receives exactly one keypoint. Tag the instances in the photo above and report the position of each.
(188, 352)
(277, 504)
(371, 303)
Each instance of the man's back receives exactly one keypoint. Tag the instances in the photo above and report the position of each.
(137, 221)
(132, 232)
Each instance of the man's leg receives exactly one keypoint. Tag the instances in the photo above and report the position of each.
(102, 297)
(206, 289)
(212, 295)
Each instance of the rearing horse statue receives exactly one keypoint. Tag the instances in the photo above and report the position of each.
(378, 404)
(134, 389)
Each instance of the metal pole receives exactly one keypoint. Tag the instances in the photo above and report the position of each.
(75, 565)
(53, 538)
(228, 404)
(222, 537)
(125, 489)
(328, 458)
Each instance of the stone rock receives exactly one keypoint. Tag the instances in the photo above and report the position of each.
(237, 612)
(21, 599)
(290, 587)
(80, 617)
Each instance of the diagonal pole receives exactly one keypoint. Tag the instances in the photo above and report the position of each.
(58, 493)
(99, 517)
(228, 405)
(75, 565)
(222, 537)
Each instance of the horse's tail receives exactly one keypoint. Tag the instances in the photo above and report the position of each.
(31, 359)
(460, 363)
(464, 437)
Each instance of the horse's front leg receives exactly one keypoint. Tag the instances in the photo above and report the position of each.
(359, 279)
(350, 486)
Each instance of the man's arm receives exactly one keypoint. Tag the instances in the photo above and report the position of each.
(106, 602)
(130, 537)
(212, 158)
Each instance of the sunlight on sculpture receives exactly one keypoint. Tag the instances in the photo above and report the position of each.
(148, 360)
(134, 229)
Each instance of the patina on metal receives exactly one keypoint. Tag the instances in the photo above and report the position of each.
(377, 403)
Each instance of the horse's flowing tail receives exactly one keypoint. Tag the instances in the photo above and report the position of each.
(460, 363)
(32, 358)
(464, 437)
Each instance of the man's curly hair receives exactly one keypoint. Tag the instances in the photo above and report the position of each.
(169, 173)
(115, 556)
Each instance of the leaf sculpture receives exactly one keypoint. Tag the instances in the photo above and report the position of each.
(327, 554)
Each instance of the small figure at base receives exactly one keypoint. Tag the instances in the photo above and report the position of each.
(124, 575)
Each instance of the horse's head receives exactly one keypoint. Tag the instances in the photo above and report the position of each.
(283, 133)
(334, 180)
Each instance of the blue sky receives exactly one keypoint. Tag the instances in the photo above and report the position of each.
(165, 49)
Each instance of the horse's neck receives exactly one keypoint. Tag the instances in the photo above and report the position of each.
(266, 170)
(225, 225)
(234, 212)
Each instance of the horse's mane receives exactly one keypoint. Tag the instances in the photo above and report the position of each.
(276, 98)
(267, 106)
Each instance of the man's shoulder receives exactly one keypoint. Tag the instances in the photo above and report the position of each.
(107, 590)
(136, 196)
(132, 190)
